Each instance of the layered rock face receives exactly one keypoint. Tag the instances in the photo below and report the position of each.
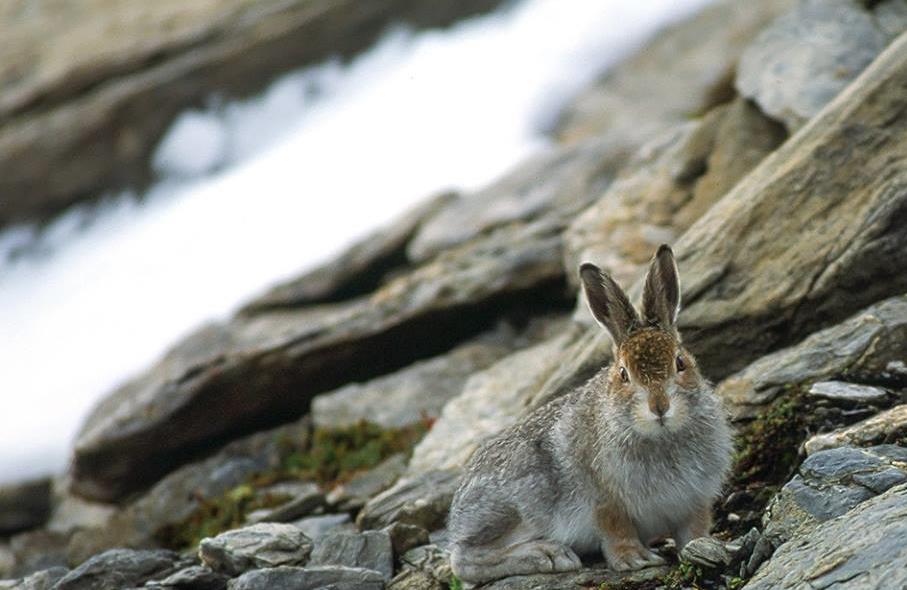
(316, 438)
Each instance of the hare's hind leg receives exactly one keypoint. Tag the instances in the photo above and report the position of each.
(496, 542)
(480, 564)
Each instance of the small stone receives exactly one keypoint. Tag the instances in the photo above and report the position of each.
(430, 559)
(406, 536)
(119, 568)
(257, 546)
(847, 392)
(196, 577)
(310, 578)
(744, 546)
(762, 551)
(306, 497)
(707, 552)
(413, 579)
(370, 550)
(43, 580)
(883, 427)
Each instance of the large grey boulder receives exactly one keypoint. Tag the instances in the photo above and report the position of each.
(266, 368)
(806, 239)
(310, 578)
(866, 548)
(92, 85)
(24, 505)
(263, 545)
(120, 568)
(806, 57)
(828, 484)
(685, 70)
(888, 426)
(869, 343)
(369, 550)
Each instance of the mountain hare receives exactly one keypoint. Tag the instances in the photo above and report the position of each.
(637, 454)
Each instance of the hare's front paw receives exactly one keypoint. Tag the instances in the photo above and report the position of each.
(553, 557)
(632, 557)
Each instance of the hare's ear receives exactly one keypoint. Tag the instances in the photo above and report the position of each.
(608, 302)
(661, 294)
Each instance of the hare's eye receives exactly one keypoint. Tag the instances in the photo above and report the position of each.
(680, 364)
(623, 375)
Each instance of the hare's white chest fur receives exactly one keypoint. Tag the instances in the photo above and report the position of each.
(659, 488)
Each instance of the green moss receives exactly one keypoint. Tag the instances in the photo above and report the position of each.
(328, 457)
(216, 515)
(768, 447)
(455, 583)
(337, 454)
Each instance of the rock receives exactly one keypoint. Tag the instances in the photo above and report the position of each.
(557, 183)
(491, 401)
(43, 580)
(668, 184)
(862, 549)
(357, 270)
(828, 484)
(354, 494)
(120, 568)
(414, 393)
(167, 505)
(369, 550)
(685, 70)
(888, 426)
(24, 505)
(257, 546)
(430, 559)
(761, 553)
(864, 344)
(311, 578)
(807, 238)
(422, 500)
(316, 527)
(706, 552)
(806, 57)
(105, 78)
(413, 579)
(265, 369)
(196, 577)
(305, 498)
(840, 391)
(406, 536)
(742, 550)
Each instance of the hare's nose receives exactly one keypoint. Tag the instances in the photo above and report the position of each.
(659, 403)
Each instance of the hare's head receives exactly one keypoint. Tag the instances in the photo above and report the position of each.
(653, 377)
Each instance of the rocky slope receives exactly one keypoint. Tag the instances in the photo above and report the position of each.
(315, 439)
